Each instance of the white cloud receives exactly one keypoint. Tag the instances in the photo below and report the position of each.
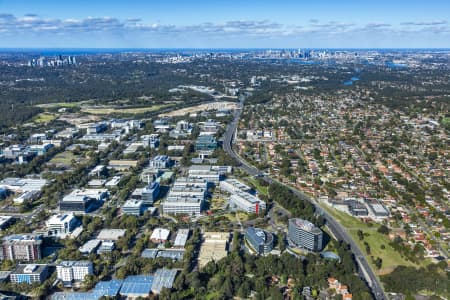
(238, 29)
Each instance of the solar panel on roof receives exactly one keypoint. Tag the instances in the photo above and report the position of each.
(137, 285)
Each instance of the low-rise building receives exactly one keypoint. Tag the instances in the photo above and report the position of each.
(233, 186)
(136, 286)
(163, 278)
(40, 149)
(29, 273)
(111, 234)
(150, 193)
(181, 238)
(84, 200)
(122, 165)
(160, 162)
(187, 196)
(206, 143)
(247, 202)
(89, 247)
(151, 140)
(61, 225)
(27, 196)
(160, 235)
(133, 207)
(106, 247)
(204, 172)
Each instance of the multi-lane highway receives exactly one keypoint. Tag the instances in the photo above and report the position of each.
(336, 228)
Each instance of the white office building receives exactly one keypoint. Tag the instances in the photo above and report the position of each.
(70, 271)
(187, 196)
(246, 202)
(233, 186)
(62, 224)
(204, 172)
(133, 207)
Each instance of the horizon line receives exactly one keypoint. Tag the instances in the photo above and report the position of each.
(223, 48)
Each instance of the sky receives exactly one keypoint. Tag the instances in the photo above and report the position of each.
(224, 24)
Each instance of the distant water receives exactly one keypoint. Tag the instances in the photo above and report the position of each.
(392, 65)
(350, 82)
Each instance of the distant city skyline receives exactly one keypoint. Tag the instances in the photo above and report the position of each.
(224, 24)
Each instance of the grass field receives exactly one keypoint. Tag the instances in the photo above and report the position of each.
(62, 104)
(446, 121)
(44, 118)
(390, 257)
(110, 110)
(263, 190)
(64, 158)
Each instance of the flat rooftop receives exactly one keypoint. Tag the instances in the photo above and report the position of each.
(111, 234)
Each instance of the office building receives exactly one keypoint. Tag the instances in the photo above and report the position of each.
(160, 235)
(133, 207)
(305, 235)
(151, 140)
(21, 247)
(84, 200)
(246, 202)
(61, 225)
(21, 185)
(206, 143)
(73, 271)
(76, 203)
(233, 186)
(259, 240)
(160, 162)
(30, 273)
(40, 149)
(106, 247)
(150, 193)
(89, 247)
(111, 234)
(204, 172)
(187, 196)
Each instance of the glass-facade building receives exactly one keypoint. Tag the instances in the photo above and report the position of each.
(304, 234)
(259, 240)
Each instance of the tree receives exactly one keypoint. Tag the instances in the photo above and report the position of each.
(383, 229)
(244, 289)
(360, 234)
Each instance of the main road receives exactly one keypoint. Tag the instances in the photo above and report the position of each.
(336, 228)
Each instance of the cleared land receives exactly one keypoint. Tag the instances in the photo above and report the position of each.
(44, 118)
(65, 158)
(62, 104)
(110, 110)
(200, 108)
(390, 257)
